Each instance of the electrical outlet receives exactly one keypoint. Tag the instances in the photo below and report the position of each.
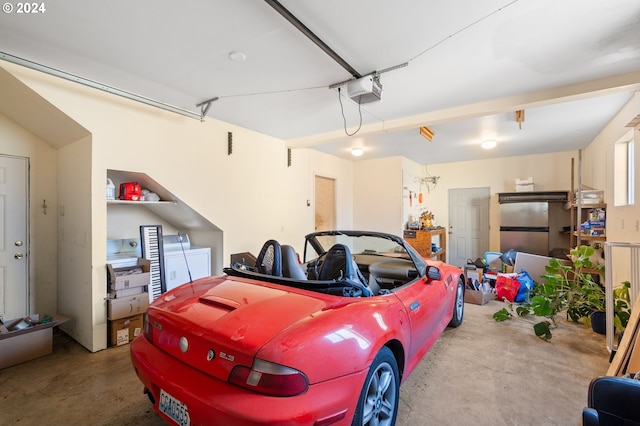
(637, 225)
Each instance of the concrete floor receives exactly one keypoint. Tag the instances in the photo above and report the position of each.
(482, 373)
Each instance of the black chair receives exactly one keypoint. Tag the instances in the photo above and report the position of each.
(269, 261)
(612, 401)
(291, 268)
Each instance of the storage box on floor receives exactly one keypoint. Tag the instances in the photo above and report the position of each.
(127, 302)
(21, 340)
(476, 297)
(124, 330)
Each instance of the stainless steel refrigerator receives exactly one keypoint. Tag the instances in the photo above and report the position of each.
(532, 222)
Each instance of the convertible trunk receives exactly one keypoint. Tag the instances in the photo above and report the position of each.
(216, 323)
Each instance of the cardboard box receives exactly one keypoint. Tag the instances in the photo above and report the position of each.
(593, 224)
(474, 274)
(124, 330)
(591, 196)
(24, 345)
(597, 215)
(478, 297)
(114, 294)
(124, 307)
(524, 185)
(117, 281)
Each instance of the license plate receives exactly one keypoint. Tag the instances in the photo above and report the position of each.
(175, 409)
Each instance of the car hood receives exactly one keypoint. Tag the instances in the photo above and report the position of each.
(226, 320)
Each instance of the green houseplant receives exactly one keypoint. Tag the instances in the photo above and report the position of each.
(595, 300)
(565, 287)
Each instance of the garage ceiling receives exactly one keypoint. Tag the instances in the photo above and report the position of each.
(570, 65)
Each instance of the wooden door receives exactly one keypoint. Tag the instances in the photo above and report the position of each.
(325, 189)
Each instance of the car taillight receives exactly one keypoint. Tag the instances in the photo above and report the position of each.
(148, 330)
(269, 378)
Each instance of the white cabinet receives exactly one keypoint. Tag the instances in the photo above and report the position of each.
(178, 264)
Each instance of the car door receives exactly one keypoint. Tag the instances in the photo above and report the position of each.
(425, 303)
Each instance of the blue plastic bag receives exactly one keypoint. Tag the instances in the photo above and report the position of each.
(526, 285)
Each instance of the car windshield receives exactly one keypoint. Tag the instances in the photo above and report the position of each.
(358, 244)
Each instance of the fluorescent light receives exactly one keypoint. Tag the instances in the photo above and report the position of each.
(490, 144)
(357, 152)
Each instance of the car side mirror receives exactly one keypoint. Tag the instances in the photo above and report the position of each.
(433, 273)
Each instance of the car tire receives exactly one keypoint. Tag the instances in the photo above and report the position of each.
(378, 402)
(458, 305)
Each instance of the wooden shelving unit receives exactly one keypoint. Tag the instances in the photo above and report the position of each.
(581, 238)
(421, 240)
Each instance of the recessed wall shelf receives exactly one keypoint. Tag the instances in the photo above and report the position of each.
(141, 202)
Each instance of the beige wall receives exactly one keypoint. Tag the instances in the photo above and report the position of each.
(377, 194)
(81, 286)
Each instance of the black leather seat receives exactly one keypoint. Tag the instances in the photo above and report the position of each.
(338, 265)
(291, 268)
(612, 401)
(269, 261)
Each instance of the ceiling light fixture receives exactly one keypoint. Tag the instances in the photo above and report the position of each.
(237, 56)
(489, 144)
(427, 133)
(357, 152)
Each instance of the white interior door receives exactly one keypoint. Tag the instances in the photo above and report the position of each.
(468, 224)
(14, 247)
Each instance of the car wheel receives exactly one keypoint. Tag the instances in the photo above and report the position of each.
(378, 402)
(458, 306)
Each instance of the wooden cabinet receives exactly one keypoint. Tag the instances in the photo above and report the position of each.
(422, 241)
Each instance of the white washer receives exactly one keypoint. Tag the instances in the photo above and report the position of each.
(178, 264)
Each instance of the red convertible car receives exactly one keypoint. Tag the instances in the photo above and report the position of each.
(320, 342)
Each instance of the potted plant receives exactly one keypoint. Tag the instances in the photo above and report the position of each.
(565, 287)
(595, 300)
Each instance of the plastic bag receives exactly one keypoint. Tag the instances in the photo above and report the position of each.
(507, 288)
(526, 285)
